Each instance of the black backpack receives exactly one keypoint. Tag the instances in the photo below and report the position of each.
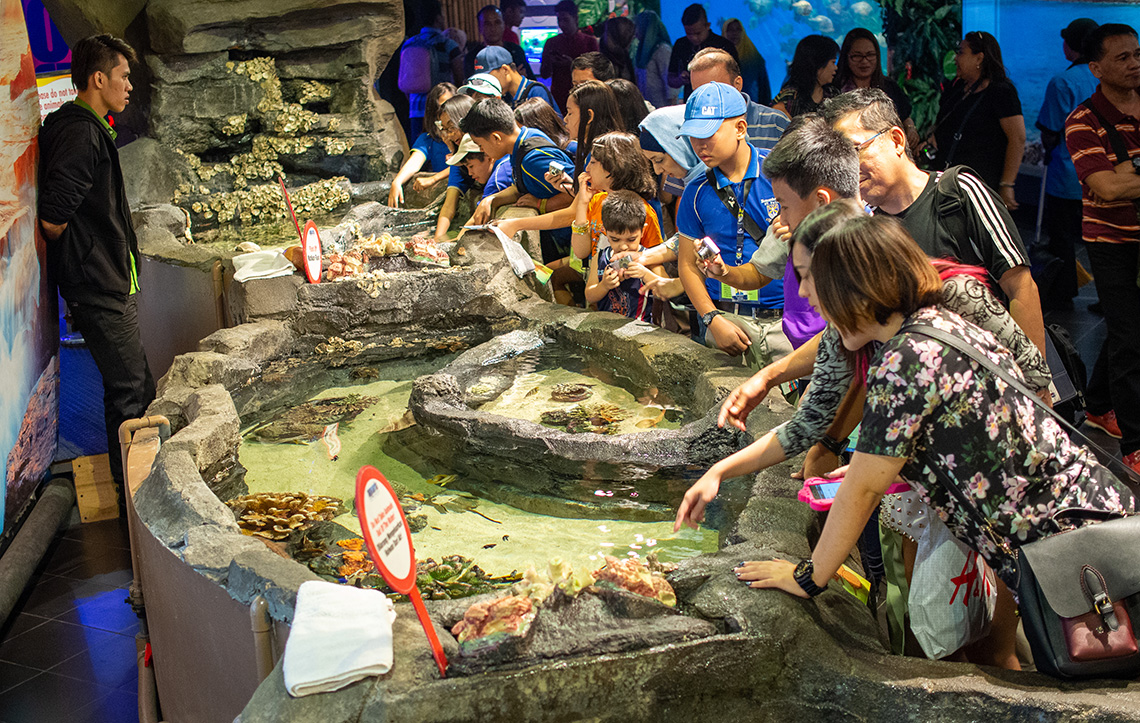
(526, 146)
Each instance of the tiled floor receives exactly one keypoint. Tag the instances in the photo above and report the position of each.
(68, 651)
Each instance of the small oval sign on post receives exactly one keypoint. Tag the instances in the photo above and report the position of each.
(389, 542)
(312, 248)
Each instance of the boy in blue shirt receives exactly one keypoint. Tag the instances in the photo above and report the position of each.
(497, 61)
(491, 124)
(608, 285)
(717, 127)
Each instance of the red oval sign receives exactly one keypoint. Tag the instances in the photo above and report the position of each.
(312, 248)
(385, 529)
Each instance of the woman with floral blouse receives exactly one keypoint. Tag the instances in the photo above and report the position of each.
(935, 417)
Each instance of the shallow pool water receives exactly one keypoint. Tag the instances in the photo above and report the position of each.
(499, 537)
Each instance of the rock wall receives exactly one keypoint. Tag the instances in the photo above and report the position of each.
(237, 92)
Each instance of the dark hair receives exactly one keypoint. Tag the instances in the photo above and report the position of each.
(432, 108)
(982, 42)
(843, 69)
(630, 102)
(620, 154)
(566, 6)
(694, 14)
(457, 107)
(708, 57)
(485, 9)
(537, 113)
(810, 155)
(869, 268)
(504, 4)
(812, 53)
(474, 156)
(1092, 47)
(429, 12)
(823, 219)
(490, 115)
(596, 63)
(597, 97)
(875, 108)
(623, 212)
(97, 53)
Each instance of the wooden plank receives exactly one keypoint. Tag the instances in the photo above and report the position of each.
(95, 492)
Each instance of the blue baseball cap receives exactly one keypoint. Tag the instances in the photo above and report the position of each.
(492, 57)
(708, 107)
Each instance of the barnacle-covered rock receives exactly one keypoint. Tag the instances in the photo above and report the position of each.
(306, 422)
(559, 574)
(488, 623)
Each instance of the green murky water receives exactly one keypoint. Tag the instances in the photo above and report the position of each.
(499, 537)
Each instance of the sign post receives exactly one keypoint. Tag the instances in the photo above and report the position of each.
(389, 542)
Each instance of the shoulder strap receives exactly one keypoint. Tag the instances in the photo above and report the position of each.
(1114, 138)
(950, 203)
(962, 125)
(1122, 473)
(728, 198)
(526, 146)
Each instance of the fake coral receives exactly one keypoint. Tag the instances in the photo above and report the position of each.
(275, 515)
(632, 574)
(507, 616)
(558, 574)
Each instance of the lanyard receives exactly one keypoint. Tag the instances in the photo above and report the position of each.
(738, 208)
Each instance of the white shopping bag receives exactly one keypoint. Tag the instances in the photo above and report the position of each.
(952, 592)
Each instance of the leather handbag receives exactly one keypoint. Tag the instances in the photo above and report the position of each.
(1079, 589)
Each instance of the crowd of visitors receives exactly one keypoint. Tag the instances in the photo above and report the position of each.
(805, 238)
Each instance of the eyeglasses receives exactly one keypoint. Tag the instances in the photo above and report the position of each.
(863, 56)
(449, 128)
(860, 147)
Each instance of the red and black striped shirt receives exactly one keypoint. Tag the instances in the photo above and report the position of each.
(1103, 221)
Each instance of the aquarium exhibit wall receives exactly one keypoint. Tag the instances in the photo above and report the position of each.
(28, 339)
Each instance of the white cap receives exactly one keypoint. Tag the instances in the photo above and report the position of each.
(467, 145)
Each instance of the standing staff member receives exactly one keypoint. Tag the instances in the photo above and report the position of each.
(1098, 133)
(92, 252)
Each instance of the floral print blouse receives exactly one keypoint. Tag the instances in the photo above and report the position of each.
(941, 411)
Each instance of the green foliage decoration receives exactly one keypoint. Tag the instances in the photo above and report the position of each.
(922, 33)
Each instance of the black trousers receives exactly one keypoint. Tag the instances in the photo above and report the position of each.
(111, 330)
(1115, 268)
(1062, 222)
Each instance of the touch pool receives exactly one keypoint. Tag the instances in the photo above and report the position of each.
(450, 515)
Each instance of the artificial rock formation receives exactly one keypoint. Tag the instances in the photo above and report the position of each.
(238, 92)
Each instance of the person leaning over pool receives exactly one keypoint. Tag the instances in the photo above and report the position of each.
(933, 415)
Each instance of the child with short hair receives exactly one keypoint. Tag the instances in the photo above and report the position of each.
(608, 285)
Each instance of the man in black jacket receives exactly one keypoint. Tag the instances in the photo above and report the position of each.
(92, 252)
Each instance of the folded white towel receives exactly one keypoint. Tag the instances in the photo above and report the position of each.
(267, 264)
(341, 634)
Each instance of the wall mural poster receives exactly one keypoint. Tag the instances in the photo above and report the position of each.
(29, 390)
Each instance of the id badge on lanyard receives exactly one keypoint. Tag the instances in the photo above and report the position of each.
(727, 292)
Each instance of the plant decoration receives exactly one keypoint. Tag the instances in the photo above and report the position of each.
(921, 34)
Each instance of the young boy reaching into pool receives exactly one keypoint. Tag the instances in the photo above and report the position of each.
(608, 285)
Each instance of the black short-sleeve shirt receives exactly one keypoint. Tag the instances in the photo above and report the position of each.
(683, 52)
(983, 142)
(990, 237)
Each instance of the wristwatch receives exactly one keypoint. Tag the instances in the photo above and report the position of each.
(833, 445)
(1136, 164)
(802, 575)
(706, 319)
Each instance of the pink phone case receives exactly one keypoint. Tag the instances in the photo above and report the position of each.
(804, 495)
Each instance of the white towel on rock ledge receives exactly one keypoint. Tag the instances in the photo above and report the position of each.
(340, 634)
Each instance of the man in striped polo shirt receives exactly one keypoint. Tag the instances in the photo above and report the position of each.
(949, 214)
(1103, 136)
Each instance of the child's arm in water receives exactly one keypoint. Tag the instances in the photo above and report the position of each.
(450, 204)
(596, 288)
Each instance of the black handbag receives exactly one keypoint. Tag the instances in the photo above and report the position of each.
(1078, 590)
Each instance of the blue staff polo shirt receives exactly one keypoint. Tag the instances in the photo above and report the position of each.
(535, 90)
(435, 152)
(458, 177)
(536, 163)
(500, 177)
(701, 213)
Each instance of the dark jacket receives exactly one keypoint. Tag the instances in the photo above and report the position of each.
(81, 184)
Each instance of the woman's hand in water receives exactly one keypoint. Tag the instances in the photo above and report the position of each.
(692, 509)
